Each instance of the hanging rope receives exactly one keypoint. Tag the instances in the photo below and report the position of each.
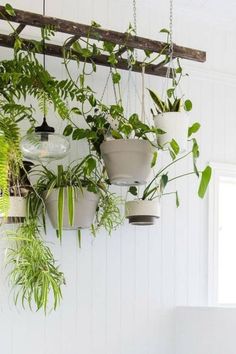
(143, 95)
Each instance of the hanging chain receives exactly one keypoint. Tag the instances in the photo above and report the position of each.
(171, 46)
(44, 60)
(135, 17)
(44, 57)
(135, 25)
(171, 28)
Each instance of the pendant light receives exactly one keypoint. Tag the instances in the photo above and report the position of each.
(43, 144)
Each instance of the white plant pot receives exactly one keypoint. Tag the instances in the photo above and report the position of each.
(17, 211)
(175, 125)
(84, 209)
(143, 212)
(128, 162)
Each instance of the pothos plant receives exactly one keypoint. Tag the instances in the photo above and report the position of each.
(106, 121)
(85, 174)
(156, 187)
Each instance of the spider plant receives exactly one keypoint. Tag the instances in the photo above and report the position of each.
(80, 177)
(33, 272)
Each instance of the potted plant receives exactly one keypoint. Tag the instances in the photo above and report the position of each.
(123, 143)
(170, 115)
(33, 272)
(14, 184)
(146, 209)
(172, 119)
(128, 153)
(19, 187)
(75, 198)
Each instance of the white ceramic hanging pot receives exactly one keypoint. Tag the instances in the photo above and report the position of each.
(17, 210)
(85, 206)
(143, 212)
(128, 162)
(175, 125)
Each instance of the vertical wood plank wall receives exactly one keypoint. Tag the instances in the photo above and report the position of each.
(121, 289)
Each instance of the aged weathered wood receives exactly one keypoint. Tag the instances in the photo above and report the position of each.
(19, 29)
(73, 28)
(57, 51)
(72, 40)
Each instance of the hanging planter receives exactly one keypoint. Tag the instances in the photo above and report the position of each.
(84, 205)
(142, 212)
(175, 126)
(127, 161)
(17, 211)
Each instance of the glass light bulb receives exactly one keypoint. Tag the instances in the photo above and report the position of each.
(44, 146)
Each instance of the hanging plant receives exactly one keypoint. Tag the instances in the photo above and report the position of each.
(33, 273)
(170, 114)
(123, 143)
(146, 209)
(12, 177)
(75, 198)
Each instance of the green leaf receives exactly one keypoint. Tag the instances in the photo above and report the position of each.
(160, 104)
(76, 110)
(178, 70)
(17, 44)
(195, 149)
(108, 46)
(68, 130)
(148, 53)
(86, 53)
(90, 165)
(170, 92)
(112, 59)
(133, 190)
(195, 168)
(188, 105)
(77, 47)
(205, 179)
(116, 78)
(116, 109)
(194, 128)
(175, 146)
(177, 199)
(95, 24)
(79, 237)
(9, 10)
(60, 211)
(92, 100)
(154, 159)
(172, 154)
(126, 129)
(163, 182)
(176, 105)
(70, 204)
(164, 30)
(116, 135)
(79, 134)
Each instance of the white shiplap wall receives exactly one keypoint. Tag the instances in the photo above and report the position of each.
(121, 289)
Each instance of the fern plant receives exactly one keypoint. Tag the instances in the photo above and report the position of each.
(10, 158)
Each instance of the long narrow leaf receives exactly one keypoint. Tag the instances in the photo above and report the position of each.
(205, 179)
(60, 211)
(70, 204)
